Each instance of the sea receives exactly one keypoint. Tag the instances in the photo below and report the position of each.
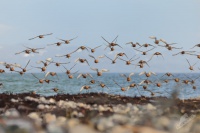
(15, 83)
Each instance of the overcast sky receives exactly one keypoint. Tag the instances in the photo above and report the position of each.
(133, 20)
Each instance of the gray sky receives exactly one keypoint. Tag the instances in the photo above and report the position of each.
(133, 20)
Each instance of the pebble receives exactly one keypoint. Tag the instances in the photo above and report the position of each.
(150, 107)
(49, 118)
(12, 112)
(34, 116)
(41, 106)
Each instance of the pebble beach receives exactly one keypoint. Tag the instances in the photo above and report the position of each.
(97, 113)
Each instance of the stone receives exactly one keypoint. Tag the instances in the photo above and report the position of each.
(49, 118)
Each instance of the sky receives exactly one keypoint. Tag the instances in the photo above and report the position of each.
(132, 20)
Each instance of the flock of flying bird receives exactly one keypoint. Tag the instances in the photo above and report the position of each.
(167, 77)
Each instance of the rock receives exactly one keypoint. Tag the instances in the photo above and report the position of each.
(104, 124)
(53, 128)
(41, 106)
(61, 119)
(150, 107)
(51, 100)
(49, 118)
(82, 129)
(14, 100)
(12, 112)
(72, 122)
(35, 116)
(120, 119)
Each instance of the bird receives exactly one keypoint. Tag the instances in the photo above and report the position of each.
(93, 49)
(70, 75)
(147, 45)
(112, 44)
(84, 75)
(166, 44)
(122, 88)
(141, 63)
(82, 61)
(170, 48)
(68, 71)
(144, 52)
(156, 53)
(34, 50)
(167, 74)
(2, 71)
(67, 41)
(113, 60)
(81, 48)
(191, 66)
(155, 38)
(57, 44)
(128, 78)
(41, 81)
(46, 62)
(26, 51)
(86, 87)
(184, 52)
(147, 74)
(24, 69)
(99, 72)
(40, 36)
(59, 63)
(146, 81)
(153, 93)
(192, 81)
(96, 60)
(102, 85)
(52, 74)
(197, 45)
(43, 69)
(134, 44)
(66, 55)
(128, 62)
(11, 67)
(120, 54)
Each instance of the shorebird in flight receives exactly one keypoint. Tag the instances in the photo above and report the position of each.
(68, 71)
(197, 45)
(46, 62)
(96, 60)
(84, 75)
(26, 51)
(191, 67)
(134, 44)
(40, 36)
(157, 54)
(128, 78)
(34, 50)
(67, 41)
(156, 40)
(99, 72)
(147, 74)
(93, 49)
(57, 44)
(144, 52)
(66, 55)
(113, 60)
(128, 62)
(82, 61)
(112, 44)
(86, 87)
(184, 52)
(122, 88)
